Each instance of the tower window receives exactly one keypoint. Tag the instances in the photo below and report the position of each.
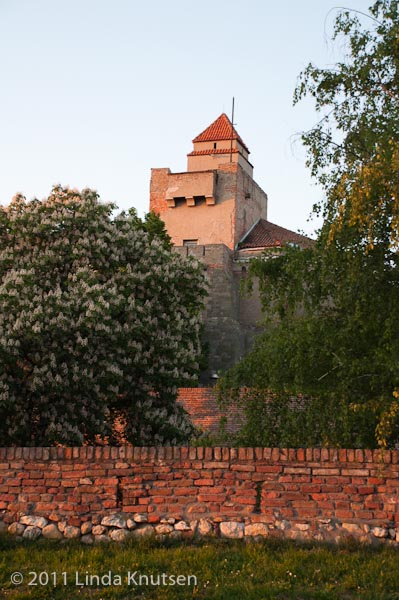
(190, 242)
(214, 145)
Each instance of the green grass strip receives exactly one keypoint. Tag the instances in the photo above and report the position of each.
(224, 570)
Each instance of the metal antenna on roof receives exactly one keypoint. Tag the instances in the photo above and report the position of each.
(232, 131)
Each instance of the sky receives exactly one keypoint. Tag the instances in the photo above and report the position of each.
(95, 93)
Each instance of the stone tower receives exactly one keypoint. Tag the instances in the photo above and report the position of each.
(218, 213)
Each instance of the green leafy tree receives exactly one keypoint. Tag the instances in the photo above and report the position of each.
(153, 225)
(332, 331)
(353, 150)
(99, 320)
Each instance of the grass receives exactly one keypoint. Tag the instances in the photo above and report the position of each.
(225, 570)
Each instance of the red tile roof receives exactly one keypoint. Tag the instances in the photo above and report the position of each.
(267, 235)
(214, 151)
(219, 130)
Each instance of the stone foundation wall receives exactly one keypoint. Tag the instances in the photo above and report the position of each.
(107, 493)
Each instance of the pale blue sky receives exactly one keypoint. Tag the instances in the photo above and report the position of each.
(96, 92)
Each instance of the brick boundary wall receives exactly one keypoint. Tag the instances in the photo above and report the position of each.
(202, 405)
(102, 493)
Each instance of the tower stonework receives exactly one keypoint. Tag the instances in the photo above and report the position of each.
(216, 212)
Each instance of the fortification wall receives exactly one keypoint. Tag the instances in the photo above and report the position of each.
(221, 315)
(323, 494)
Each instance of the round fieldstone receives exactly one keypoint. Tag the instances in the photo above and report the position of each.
(255, 529)
(62, 525)
(98, 530)
(204, 528)
(140, 518)
(52, 532)
(119, 535)
(163, 529)
(145, 531)
(352, 528)
(33, 521)
(71, 532)
(379, 532)
(32, 532)
(16, 529)
(114, 521)
(231, 529)
(86, 528)
(168, 521)
(182, 526)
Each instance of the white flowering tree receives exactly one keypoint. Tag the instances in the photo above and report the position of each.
(99, 320)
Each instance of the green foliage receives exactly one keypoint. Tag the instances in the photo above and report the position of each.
(353, 149)
(152, 225)
(287, 421)
(99, 319)
(333, 309)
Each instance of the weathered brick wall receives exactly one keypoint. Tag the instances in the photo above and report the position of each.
(158, 185)
(202, 405)
(319, 493)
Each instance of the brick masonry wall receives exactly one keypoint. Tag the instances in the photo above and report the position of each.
(203, 408)
(313, 493)
(158, 185)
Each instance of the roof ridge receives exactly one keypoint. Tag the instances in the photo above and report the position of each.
(249, 231)
(285, 228)
(221, 129)
(265, 234)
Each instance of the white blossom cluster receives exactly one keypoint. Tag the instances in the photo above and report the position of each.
(98, 320)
